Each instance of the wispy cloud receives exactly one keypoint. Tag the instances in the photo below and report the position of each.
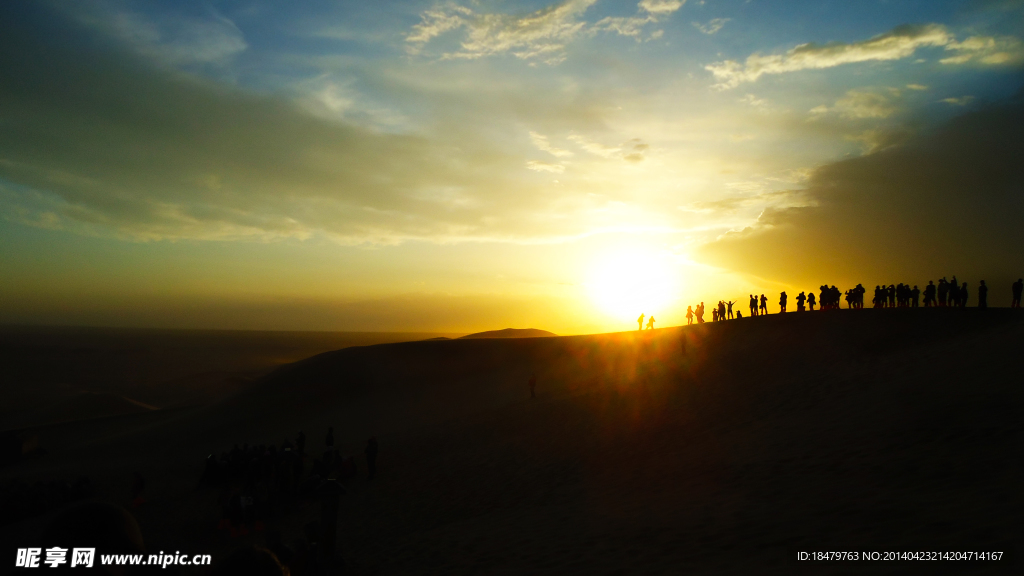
(540, 166)
(961, 101)
(174, 39)
(541, 142)
(986, 50)
(861, 104)
(634, 150)
(540, 35)
(711, 26)
(898, 43)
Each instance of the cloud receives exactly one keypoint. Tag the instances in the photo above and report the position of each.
(916, 87)
(945, 202)
(711, 26)
(986, 50)
(961, 101)
(103, 142)
(435, 22)
(540, 35)
(539, 166)
(732, 204)
(900, 42)
(660, 6)
(861, 104)
(173, 38)
(541, 142)
(596, 148)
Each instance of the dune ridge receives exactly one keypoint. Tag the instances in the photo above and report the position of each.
(884, 430)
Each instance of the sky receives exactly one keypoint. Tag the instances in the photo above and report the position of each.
(469, 165)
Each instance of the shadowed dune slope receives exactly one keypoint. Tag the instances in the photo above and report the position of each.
(870, 430)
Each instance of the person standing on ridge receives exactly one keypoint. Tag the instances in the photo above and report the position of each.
(729, 309)
(650, 323)
(689, 315)
(982, 295)
(782, 301)
(640, 322)
(800, 299)
(700, 313)
(810, 301)
(764, 305)
(1018, 287)
(371, 457)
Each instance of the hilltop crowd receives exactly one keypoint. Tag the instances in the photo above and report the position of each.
(945, 294)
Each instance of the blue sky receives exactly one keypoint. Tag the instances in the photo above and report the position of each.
(469, 151)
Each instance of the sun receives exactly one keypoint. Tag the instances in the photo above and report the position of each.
(628, 282)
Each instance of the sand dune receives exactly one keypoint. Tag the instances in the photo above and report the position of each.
(869, 430)
(512, 333)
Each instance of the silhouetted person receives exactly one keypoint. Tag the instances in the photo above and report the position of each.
(640, 322)
(1018, 287)
(982, 295)
(739, 314)
(721, 310)
(700, 313)
(782, 301)
(689, 315)
(330, 493)
(810, 301)
(963, 295)
(371, 457)
(728, 306)
(929, 295)
(915, 295)
(650, 323)
(138, 485)
(329, 441)
(753, 305)
(764, 305)
(250, 561)
(943, 291)
(533, 386)
(800, 299)
(714, 314)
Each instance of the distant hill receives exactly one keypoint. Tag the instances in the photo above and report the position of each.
(512, 333)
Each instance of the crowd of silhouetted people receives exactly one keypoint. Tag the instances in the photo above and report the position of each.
(262, 481)
(945, 294)
(20, 499)
(112, 530)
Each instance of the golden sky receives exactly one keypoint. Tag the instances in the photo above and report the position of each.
(462, 166)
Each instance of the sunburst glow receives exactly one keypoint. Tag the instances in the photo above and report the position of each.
(629, 282)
